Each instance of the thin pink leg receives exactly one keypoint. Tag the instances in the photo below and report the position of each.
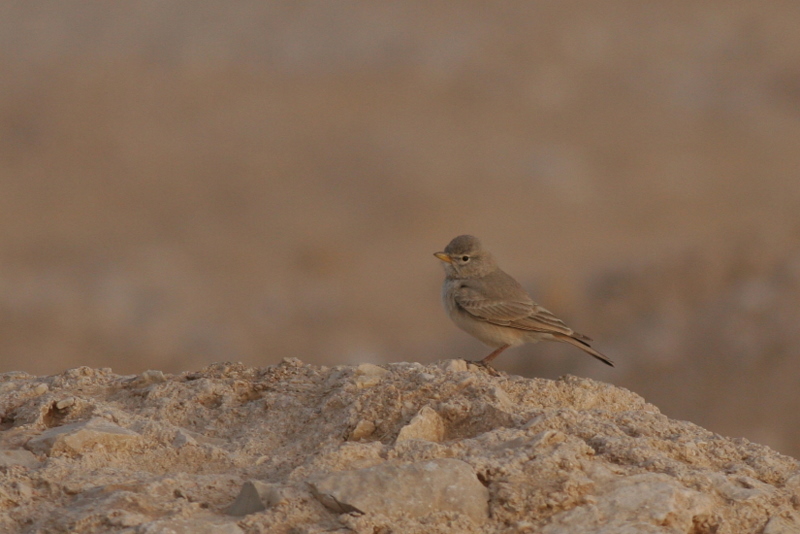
(494, 355)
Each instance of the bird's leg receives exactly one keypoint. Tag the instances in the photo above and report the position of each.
(493, 355)
(486, 361)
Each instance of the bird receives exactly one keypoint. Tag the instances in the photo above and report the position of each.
(489, 304)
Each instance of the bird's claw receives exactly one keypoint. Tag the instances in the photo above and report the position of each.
(484, 365)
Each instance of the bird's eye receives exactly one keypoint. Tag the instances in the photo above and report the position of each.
(465, 259)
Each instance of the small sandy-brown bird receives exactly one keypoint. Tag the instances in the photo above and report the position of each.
(490, 305)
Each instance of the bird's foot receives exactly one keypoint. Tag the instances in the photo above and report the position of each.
(483, 365)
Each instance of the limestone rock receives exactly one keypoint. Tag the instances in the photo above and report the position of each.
(66, 403)
(425, 425)
(411, 490)
(654, 503)
(81, 437)
(152, 376)
(17, 457)
(254, 496)
(368, 375)
(453, 366)
(197, 525)
(790, 524)
(363, 429)
(554, 456)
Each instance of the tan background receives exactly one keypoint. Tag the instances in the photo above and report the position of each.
(189, 182)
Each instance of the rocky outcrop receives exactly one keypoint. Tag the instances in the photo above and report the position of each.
(400, 448)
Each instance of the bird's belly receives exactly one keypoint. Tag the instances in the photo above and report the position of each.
(489, 334)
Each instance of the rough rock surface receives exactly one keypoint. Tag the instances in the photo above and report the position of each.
(238, 449)
(411, 490)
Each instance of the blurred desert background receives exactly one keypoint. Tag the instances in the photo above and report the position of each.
(192, 181)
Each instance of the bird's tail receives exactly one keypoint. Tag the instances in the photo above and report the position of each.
(583, 346)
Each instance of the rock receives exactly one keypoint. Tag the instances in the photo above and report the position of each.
(790, 524)
(453, 366)
(254, 496)
(18, 457)
(123, 518)
(369, 369)
(566, 456)
(81, 437)
(18, 493)
(363, 429)
(368, 375)
(652, 502)
(739, 488)
(65, 403)
(183, 438)
(411, 490)
(195, 525)
(502, 399)
(152, 376)
(425, 425)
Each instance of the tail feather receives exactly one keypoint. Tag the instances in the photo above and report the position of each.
(583, 346)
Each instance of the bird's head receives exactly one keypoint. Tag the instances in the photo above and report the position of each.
(464, 257)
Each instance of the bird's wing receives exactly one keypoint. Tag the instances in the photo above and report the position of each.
(516, 312)
(543, 320)
(492, 310)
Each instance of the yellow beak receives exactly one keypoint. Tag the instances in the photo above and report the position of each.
(444, 257)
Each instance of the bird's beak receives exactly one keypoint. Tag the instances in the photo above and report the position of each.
(444, 257)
